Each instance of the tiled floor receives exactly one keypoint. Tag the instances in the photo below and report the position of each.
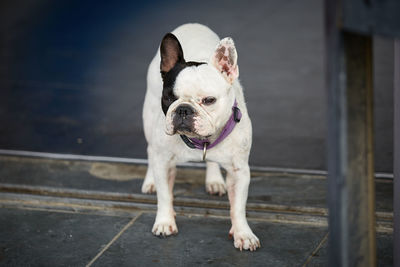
(204, 241)
(54, 238)
(45, 238)
(52, 213)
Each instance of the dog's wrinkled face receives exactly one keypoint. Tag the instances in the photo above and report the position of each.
(197, 97)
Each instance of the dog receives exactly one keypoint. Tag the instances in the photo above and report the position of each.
(194, 110)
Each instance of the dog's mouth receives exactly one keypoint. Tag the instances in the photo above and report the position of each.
(183, 128)
(189, 132)
(183, 123)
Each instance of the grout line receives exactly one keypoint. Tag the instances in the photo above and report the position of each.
(114, 239)
(315, 251)
(10, 152)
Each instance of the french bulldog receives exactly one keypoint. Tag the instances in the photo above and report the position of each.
(194, 110)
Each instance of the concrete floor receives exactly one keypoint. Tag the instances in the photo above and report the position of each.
(76, 213)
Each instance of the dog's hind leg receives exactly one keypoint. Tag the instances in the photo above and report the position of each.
(215, 184)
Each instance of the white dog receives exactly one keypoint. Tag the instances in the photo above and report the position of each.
(194, 109)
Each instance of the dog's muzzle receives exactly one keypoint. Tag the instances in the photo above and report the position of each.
(183, 118)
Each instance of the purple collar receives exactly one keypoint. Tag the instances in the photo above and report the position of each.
(199, 143)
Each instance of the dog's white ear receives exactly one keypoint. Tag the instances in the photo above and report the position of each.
(225, 59)
(171, 53)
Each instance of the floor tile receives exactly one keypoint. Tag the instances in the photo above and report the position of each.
(384, 244)
(40, 238)
(204, 241)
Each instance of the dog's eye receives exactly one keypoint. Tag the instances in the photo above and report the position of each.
(209, 100)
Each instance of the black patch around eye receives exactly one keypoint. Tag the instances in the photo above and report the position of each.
(169, 78)
(167, 99)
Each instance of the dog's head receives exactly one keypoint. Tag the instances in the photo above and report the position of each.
(197, 97)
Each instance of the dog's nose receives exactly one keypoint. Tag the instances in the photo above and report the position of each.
(184, 111)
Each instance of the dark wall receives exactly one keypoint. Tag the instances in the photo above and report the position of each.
(72, 75)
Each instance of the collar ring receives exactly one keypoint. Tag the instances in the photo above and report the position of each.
(205, 151)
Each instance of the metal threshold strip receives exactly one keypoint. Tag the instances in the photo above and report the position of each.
(7, 152)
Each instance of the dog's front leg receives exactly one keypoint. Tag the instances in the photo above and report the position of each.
(164, 175)
(238, 180)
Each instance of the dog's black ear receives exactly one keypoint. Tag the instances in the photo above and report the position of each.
(171, 53)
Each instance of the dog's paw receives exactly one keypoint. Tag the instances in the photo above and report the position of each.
(216, 188)
(165, 228)
(148, 187)
(245, 240)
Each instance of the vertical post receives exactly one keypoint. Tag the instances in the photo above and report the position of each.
(351, 193)
(360, 162)
(396, 163)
